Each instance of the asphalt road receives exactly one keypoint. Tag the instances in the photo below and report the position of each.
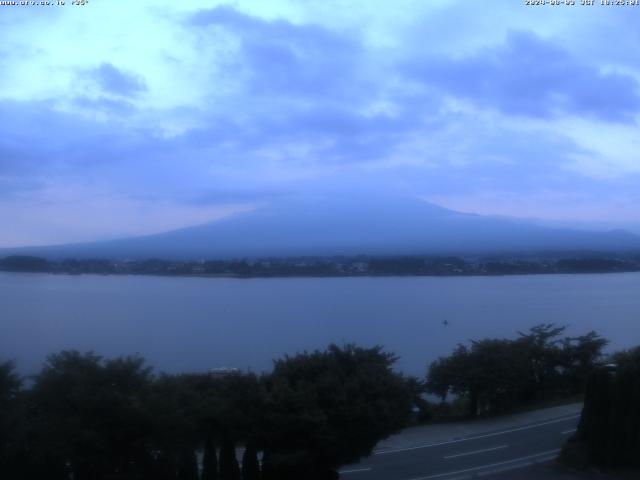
(481, 455)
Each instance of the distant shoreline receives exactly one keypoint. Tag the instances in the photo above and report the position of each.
(333, 267)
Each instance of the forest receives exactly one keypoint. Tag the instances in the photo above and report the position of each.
(85, 417)
(342, 266)
(91, 418)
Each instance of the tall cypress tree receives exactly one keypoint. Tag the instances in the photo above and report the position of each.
(610, 419)
(250, 464)
(188, 467)
(229, 468)
(210, 460)
(267, 471)
(165, 466)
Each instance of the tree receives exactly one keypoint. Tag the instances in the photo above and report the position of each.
(10, 383)
(88, 415)
(452, 374)
(440, 377)
(229, 468)
(188, 467)
(172, 401)
(329, 408)
(489, 374)
(496, 374)
(210, 460)
(24, 263)
(609, 430)
(580, 356)
(544, 355)
(420, 405)
(10, 421)
(250, 464)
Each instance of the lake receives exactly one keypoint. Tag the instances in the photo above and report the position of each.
(194, 324)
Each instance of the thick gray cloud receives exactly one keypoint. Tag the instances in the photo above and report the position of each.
(292, 60)
(283, 108)
(532, 77)
(41, 141)
(308, 126)
(306, 87)
(114, 81)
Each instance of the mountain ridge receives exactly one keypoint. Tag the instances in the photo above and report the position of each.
(345, 225)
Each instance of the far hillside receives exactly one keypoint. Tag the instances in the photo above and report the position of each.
(347, 225)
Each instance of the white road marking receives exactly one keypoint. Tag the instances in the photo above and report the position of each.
(491, 465)
(476, 451)
(567, 432)
(515, 466)
(450, 442)
(355, 470)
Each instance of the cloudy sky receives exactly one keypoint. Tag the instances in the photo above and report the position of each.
(122, 118)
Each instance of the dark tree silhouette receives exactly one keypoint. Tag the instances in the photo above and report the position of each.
(540, 344)
(608, 432)
(173, 404)
(489, 374)
(579, 357)
(210, 460)
(88, 415)
(11, 419)
(24, 263)
(494, 375)
(94, 419)
(188, 468)
(329, 408)
(229, 468)
(250, 464)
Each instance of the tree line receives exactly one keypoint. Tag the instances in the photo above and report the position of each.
(88, 418)
(495, 375)
(84, 417)
(359, 265)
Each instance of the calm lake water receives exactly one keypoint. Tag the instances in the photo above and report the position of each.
(193, 324)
